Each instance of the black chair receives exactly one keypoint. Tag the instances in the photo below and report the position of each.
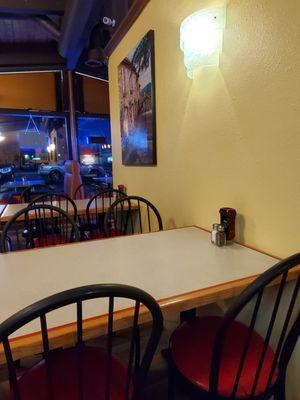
(84, 371)
(86, 191)
(38, 226)
(93, 225)
(62, 201)
(33, 191)
(222, 358)
(131, 215)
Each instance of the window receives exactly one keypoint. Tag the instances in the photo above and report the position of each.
(94, 143)
(31, 146)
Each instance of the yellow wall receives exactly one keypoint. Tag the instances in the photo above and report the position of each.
(22, 91)
(230, 137)
(96, 97)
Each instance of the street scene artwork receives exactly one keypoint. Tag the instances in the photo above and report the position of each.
(137, 104)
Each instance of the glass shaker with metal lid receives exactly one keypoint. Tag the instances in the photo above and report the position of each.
(221, 236)
(214, 233)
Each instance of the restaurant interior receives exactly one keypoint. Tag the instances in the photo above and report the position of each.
(148, 198)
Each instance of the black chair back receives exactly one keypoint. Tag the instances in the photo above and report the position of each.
(284, 318)
(97, 207)
(132, 215)
(38, 226)
(62, 201)
(137, 364)
(86, 191)
(33, 191)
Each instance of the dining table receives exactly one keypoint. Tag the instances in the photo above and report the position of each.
(180, 268)
(22, 184)
(11, 209)
(2, 208)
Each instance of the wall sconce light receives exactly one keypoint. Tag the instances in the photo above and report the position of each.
(201, 38)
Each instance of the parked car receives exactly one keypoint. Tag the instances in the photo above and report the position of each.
(55, 172)
(6, 173)
(29, 166)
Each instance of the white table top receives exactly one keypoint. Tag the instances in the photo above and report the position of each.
(2, 208)
(165, 264)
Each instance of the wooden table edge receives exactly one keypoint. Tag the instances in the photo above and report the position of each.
(65, 335)
(80, 211)
(242, 244)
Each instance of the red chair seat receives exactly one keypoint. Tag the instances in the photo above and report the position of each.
(115, 232)
(68, 373)
(96, 235)
(16, 199)
(101, 235)
(50, 240)
(191, 348)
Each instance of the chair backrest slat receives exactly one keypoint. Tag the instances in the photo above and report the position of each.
(135, 378)
(247, 343)
(44, 334)
(97, 206)
(140, 216)
(87, 190)
(284, 329)
(128, 215)
(36, 226)
(269, 332)
(79, 322)
(64, 202)
(11, 368)
(263, 377)
(33, 191)
(149, 218)
(109, 346)
(132, 348)
(131, 215)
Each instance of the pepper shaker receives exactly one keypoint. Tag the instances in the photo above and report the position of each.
(221, 236)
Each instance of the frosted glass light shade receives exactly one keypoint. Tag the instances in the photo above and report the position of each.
(201, 37)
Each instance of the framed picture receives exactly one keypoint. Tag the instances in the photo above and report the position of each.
(137, 103)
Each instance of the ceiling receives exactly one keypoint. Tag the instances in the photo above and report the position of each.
(23, 32)
(57, 34)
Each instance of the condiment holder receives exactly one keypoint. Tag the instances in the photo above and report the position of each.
(225, 230)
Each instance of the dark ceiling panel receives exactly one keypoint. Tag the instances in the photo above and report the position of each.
(45, 56)
(34, 32)
(13, 31)
(77, 24)
(33, 7)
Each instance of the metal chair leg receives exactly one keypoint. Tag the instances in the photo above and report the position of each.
(280, 392)
(171, 384)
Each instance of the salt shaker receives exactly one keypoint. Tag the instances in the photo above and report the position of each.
(214, 233)
(221, 236)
